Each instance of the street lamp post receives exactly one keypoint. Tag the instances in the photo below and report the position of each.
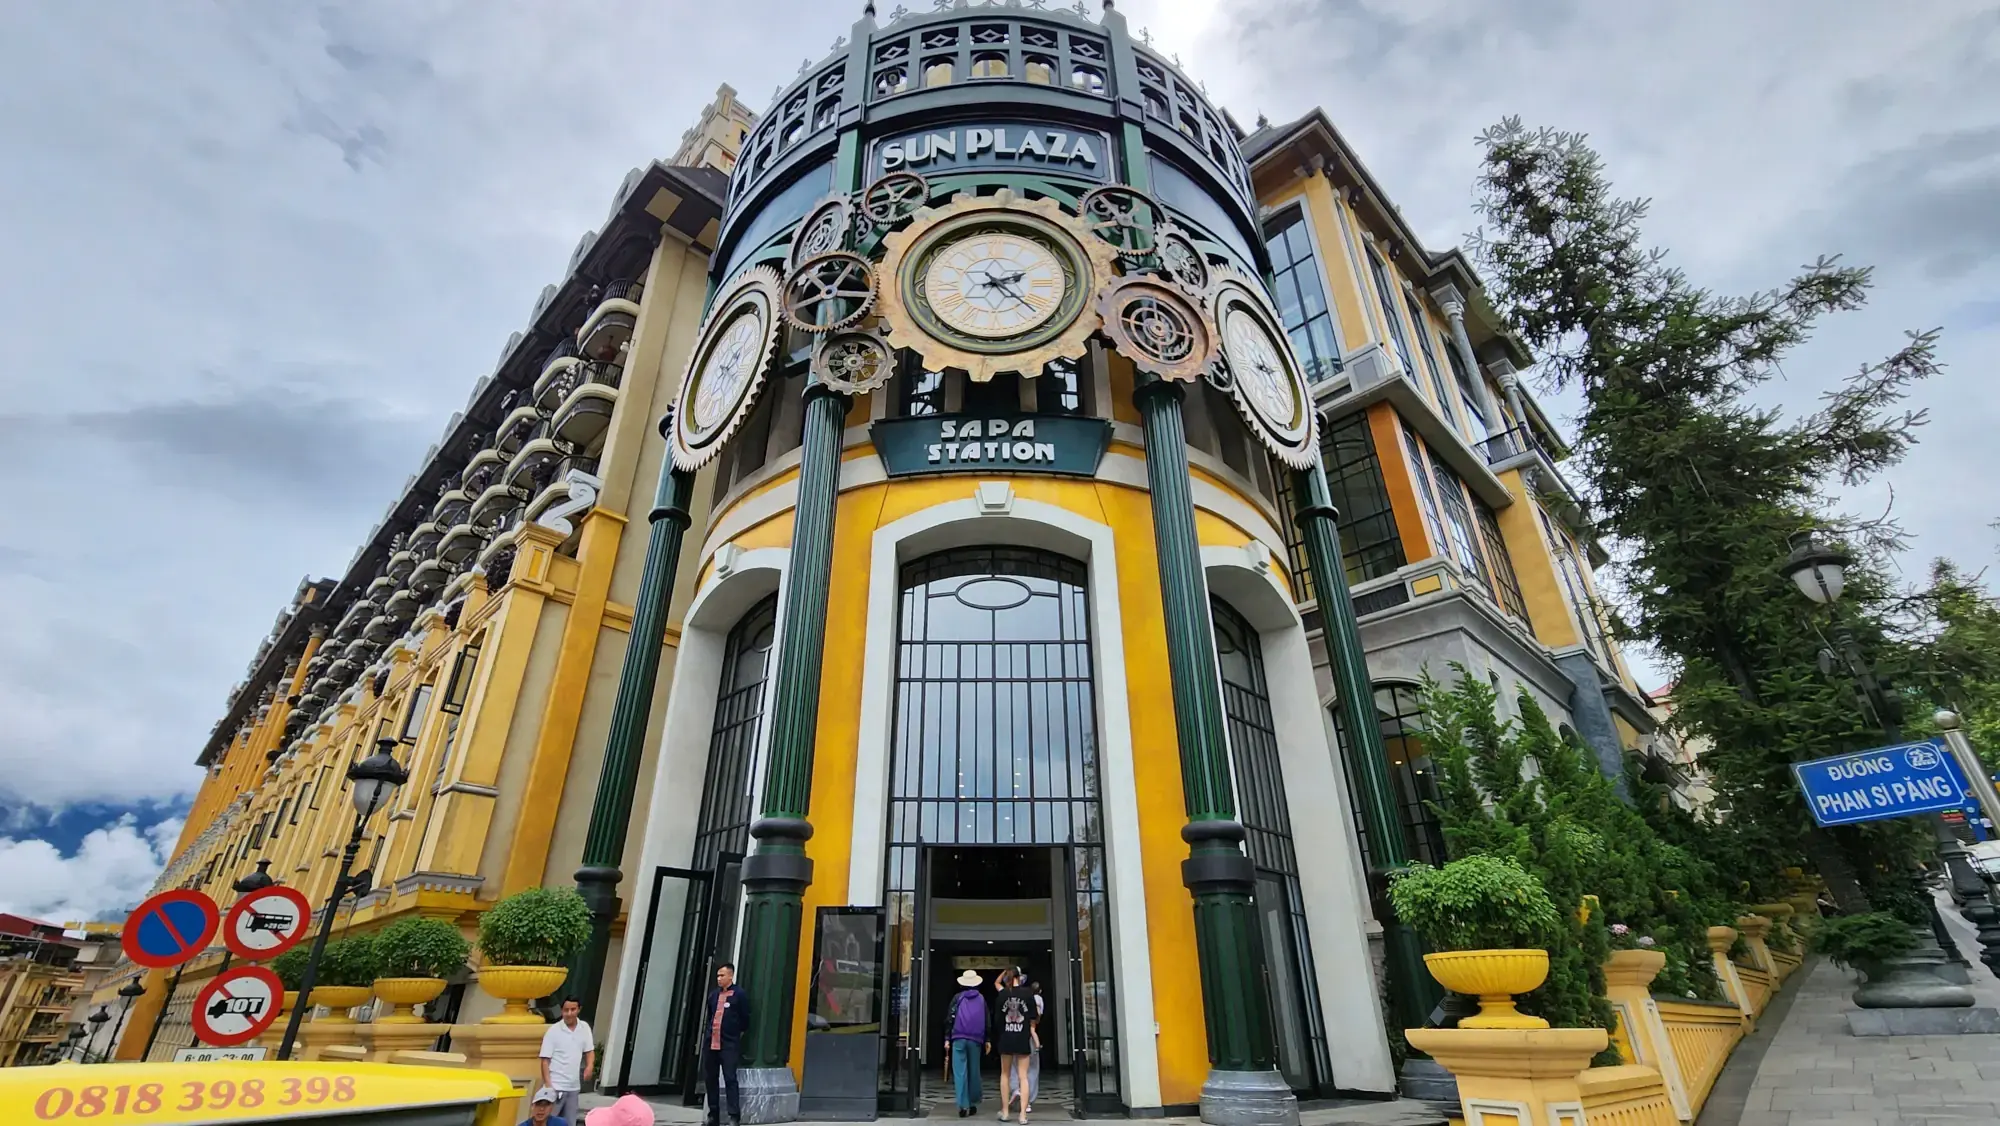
(374, 780)
(97, 1021)
(128, 991)
(1820, 572)
(69, 1043)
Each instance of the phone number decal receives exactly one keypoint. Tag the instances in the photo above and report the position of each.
(59, 1104)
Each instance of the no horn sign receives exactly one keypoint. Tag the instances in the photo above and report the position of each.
(1900, 781)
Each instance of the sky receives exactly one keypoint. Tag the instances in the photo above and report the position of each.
(252, 256)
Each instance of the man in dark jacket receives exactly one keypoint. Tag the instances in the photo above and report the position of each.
(725, 1017)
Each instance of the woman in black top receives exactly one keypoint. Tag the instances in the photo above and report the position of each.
(1014, 1022)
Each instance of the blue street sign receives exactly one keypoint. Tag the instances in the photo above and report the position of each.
(1899, 781)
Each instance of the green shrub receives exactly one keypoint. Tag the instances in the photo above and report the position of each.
(1476, 903)
(420, 947)
(535, 927)
(291, 965)
(1858, 940)
(349, 961)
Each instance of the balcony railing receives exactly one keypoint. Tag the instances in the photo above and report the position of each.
(1508, 445)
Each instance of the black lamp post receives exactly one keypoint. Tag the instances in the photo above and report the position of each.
(96, 1021)
(1820, 572)
(128, 991)
(374, 781)
(70, 1042)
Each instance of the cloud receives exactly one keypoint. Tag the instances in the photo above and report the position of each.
(107, 874)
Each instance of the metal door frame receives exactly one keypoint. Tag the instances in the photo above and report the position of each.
(661, 874)
(684, 993)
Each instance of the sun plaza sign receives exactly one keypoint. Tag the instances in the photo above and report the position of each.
(1083, 152)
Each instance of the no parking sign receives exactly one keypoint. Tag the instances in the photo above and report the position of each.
(169, 928)
(237, 1006)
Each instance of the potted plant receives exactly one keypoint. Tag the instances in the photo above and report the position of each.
(291, 970)
(345, 971)
(1490, 922)
(1635, 958)
(414, 956)
(525, 941)
(1875, 943)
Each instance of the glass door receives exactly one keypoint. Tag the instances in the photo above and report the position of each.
(915, 1027)
(658, 1023)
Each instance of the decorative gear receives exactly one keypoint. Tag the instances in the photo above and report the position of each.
(1124, 217)
(894, 198)
(824, 229)
(853, 362)
(829, 292)
(726, 370)
(1180, 259)
(1159, 328)
(904, 309)
(1267, 382)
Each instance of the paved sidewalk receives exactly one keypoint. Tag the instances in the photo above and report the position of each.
(1816, 1074)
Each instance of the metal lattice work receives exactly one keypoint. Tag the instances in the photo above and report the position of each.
(1266, 816)
(996, 743)
(726, 800)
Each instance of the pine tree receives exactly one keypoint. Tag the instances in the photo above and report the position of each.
(1696, 486)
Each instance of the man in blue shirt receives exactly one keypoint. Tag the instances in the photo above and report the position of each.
(965, 1032)
(542, 1111)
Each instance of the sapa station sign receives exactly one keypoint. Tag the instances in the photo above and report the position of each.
(1082, 152)
(1030, 443)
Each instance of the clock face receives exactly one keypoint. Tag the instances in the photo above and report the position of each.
(731, 363)
(1255, 361)
(994, 284)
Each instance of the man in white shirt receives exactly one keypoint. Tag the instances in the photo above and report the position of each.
(569, 1055)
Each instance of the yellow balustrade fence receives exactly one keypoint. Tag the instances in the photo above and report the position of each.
(1625, 1096)
(1702, 1034)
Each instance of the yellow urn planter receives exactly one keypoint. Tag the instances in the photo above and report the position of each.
(338, 999)
(518, 985)
(405, 993)
(1494, 976)
(1634, 967)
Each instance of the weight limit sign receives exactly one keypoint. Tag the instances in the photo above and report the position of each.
(237, 1006)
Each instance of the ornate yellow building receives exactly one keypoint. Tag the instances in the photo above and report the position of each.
(1060, 493)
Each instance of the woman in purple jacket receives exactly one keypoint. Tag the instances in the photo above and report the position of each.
(966, 1026)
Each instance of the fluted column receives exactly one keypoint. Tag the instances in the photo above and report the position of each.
(776, 874)
(1243, 1084)
(611, 810)
(1412, 993)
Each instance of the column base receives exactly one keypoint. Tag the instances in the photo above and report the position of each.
(1428, 1081)
(770, 1094)
(1910, 985)
(1248, 1098)
(1922, 1022)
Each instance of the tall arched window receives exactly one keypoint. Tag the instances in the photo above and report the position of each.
(726, 800)
(996, 745)
(1266, 816)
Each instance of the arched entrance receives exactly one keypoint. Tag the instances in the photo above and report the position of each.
(995, 839)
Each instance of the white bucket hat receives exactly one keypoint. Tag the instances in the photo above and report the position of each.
(969, 979)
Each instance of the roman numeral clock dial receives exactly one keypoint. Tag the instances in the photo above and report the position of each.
(994, 284)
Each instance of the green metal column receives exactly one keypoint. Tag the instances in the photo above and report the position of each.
(611, 811)
(776, 874)
(1218, 874)
(1411, 991)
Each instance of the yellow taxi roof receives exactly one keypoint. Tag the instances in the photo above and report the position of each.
(233, 1091)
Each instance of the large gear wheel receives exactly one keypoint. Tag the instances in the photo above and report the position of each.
(1159, 328)
(726, 371)
(903, 309)
(894, 198)
(829, 292)
(823, 230)
(1124, 217)
(854, 362)
(1180, 259)
(1265, 379)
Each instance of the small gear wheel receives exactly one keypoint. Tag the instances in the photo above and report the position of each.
(1124, 217)
(894, 198)
(1158, 328)
(824, 230)
(1180, 259)
(853, 362)
(829, 292)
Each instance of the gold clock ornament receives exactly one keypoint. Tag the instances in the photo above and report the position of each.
(1158, 327)
(1266, 380)
(731, 356)
(991, 284)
